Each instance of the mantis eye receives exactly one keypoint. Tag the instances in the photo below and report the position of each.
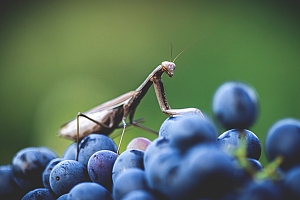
(172, 67)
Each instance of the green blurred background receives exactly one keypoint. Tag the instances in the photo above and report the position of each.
(61, 57)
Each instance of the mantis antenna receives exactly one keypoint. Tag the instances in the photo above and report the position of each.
(171, 52)
(184, 49)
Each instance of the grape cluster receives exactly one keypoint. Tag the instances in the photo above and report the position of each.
(190, 159)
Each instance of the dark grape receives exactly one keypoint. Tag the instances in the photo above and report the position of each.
(190, 130)
(70, 152)
(66, 175)
(28, 166)
(131, 158)
(130, 180)
(291, 184)
(93, 143)
(40, 194)
(166, 127)
(47, 171)
(155, 148)
(47, 152)
(244, 174)
(235, 105)
(63, 197)
(230, 140)
(8, 188)
(283, 140)
(205, 172)
(139, 194)
(159, 178)
(262, 190)
(88, 191)
(100, 167)
(255, 164)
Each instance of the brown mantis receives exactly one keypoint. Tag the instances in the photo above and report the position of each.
(106, 117)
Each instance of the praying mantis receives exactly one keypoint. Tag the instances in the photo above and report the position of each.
(108, 116)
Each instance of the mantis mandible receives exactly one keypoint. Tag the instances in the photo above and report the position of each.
(106, 117)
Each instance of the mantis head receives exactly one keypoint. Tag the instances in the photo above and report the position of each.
(168, 67)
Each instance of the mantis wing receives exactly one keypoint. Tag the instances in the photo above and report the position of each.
(99, 113)
(116, 102)
(69, 130)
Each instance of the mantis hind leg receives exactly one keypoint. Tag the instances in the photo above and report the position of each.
(137, 124)
(77, 136)
(122, 135)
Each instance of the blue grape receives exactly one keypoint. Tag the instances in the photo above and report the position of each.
(139, 194)
(261, 190)
(255, 164)
(47, 152)
(131, 158)
(235, 105)
(93, 143)
(88, 191)
(230, 140)
(8, 188)
(162, 169)
(63, 197)
(66, 175)
(47, 171)
(166, 128)
(40, 194)
(190, 130)
(155, 148)
(70, 152)
(244, 176)
(28, 166)
(130, 180)
(283, 140)
(100, 167)
(291, 184)
(205, 172)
